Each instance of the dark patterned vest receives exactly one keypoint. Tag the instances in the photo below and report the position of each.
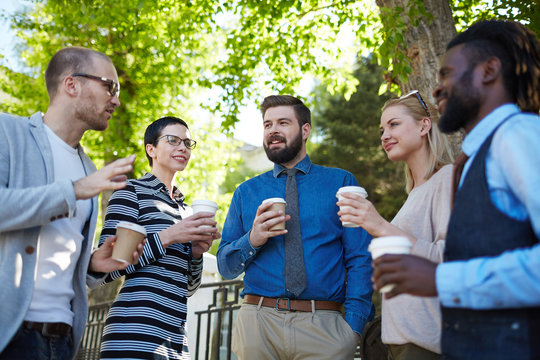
(477, 228)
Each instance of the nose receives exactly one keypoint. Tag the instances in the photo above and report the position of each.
(116, 100)
(385, 135)
(437, 91)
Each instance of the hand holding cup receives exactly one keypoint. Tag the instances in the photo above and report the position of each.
(389, 245)
(270, 215)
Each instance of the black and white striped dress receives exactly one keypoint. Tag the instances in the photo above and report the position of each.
(148, 317)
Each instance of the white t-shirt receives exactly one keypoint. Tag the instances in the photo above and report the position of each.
(59, 245)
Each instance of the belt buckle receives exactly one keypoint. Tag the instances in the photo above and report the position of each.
(288, 304)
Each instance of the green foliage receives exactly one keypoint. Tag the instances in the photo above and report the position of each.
(161, 51)
(348, 137)
(467, 12)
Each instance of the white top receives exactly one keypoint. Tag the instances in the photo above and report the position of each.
(425, 215)
(59, 245)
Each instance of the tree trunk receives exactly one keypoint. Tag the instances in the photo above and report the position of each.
(425, 44)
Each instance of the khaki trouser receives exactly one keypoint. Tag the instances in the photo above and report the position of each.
(264, 333)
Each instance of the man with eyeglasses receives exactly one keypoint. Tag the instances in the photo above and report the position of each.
(296, 280)
(48, 192)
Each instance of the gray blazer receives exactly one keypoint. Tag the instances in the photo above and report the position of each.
(29, 198)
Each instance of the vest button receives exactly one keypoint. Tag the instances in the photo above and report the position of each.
(515, 326)
(53, 218)
(456, 326)
(29, 250)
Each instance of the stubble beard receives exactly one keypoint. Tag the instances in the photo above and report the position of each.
(88, 113)
(462, 106)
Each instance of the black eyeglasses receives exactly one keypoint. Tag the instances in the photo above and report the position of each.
(175, 141)
(113, 87)
(420, 100)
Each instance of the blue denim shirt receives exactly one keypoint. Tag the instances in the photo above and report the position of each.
(338, 265)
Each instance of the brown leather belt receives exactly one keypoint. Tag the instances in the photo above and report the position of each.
(49, 329)
(286, 304)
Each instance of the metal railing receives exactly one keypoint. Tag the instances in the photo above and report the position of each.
(213, 332)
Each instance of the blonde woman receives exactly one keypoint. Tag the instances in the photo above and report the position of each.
(409, 133)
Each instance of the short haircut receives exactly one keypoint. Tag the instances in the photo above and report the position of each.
(68, 61)
(155, 129)
(301, 111)
(518, 50)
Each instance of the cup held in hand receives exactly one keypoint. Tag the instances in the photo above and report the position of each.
(350, 189)
(277, 204)
(129, 236)
(389, 245)
(204, 206)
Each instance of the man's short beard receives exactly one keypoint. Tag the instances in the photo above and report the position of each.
(283, 156)
(462, 105)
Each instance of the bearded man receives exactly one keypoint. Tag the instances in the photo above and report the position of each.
(489, 282)
(293, 295)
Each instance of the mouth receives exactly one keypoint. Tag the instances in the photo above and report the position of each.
(275, 141)
(110, 112)
(389, 146)
(441, 102)
(180, 158)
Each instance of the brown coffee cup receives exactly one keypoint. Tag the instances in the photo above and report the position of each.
(277, 204)
(129, 235)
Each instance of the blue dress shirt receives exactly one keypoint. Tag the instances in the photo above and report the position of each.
(513, 174)
(338, 265)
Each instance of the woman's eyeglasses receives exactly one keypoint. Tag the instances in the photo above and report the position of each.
(176, 141)
(113, 87)
(420, 100)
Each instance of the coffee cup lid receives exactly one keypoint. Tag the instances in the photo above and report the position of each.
(274, 200)
(209, 203)
(131, 226)
(352, 189)
(389, 241)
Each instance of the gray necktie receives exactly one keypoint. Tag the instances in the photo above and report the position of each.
(295, 273)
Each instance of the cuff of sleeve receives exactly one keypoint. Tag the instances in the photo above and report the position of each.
(196, 262)
(69, 194)
(95, 279)
(449, 279)
(356, 322)
(246, 250)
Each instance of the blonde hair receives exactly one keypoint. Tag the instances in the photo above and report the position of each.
(440, 152)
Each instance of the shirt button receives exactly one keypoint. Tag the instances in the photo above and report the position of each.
(456, 300)
(251, 253)
(498, 303)
(242, 264)
(515, 326)
(29, 250)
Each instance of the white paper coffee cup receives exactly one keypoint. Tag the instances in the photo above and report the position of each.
(129, 235)
(277, 204)
(350, 189)
(389, 245)
(204, 206)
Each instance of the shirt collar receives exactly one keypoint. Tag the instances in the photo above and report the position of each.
(155, 184)
(485, 127)
(304, 166)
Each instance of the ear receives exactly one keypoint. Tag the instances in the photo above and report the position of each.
(491, 70)
(150, 150)
(71, 86)
(425, 126)
(306, 130)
